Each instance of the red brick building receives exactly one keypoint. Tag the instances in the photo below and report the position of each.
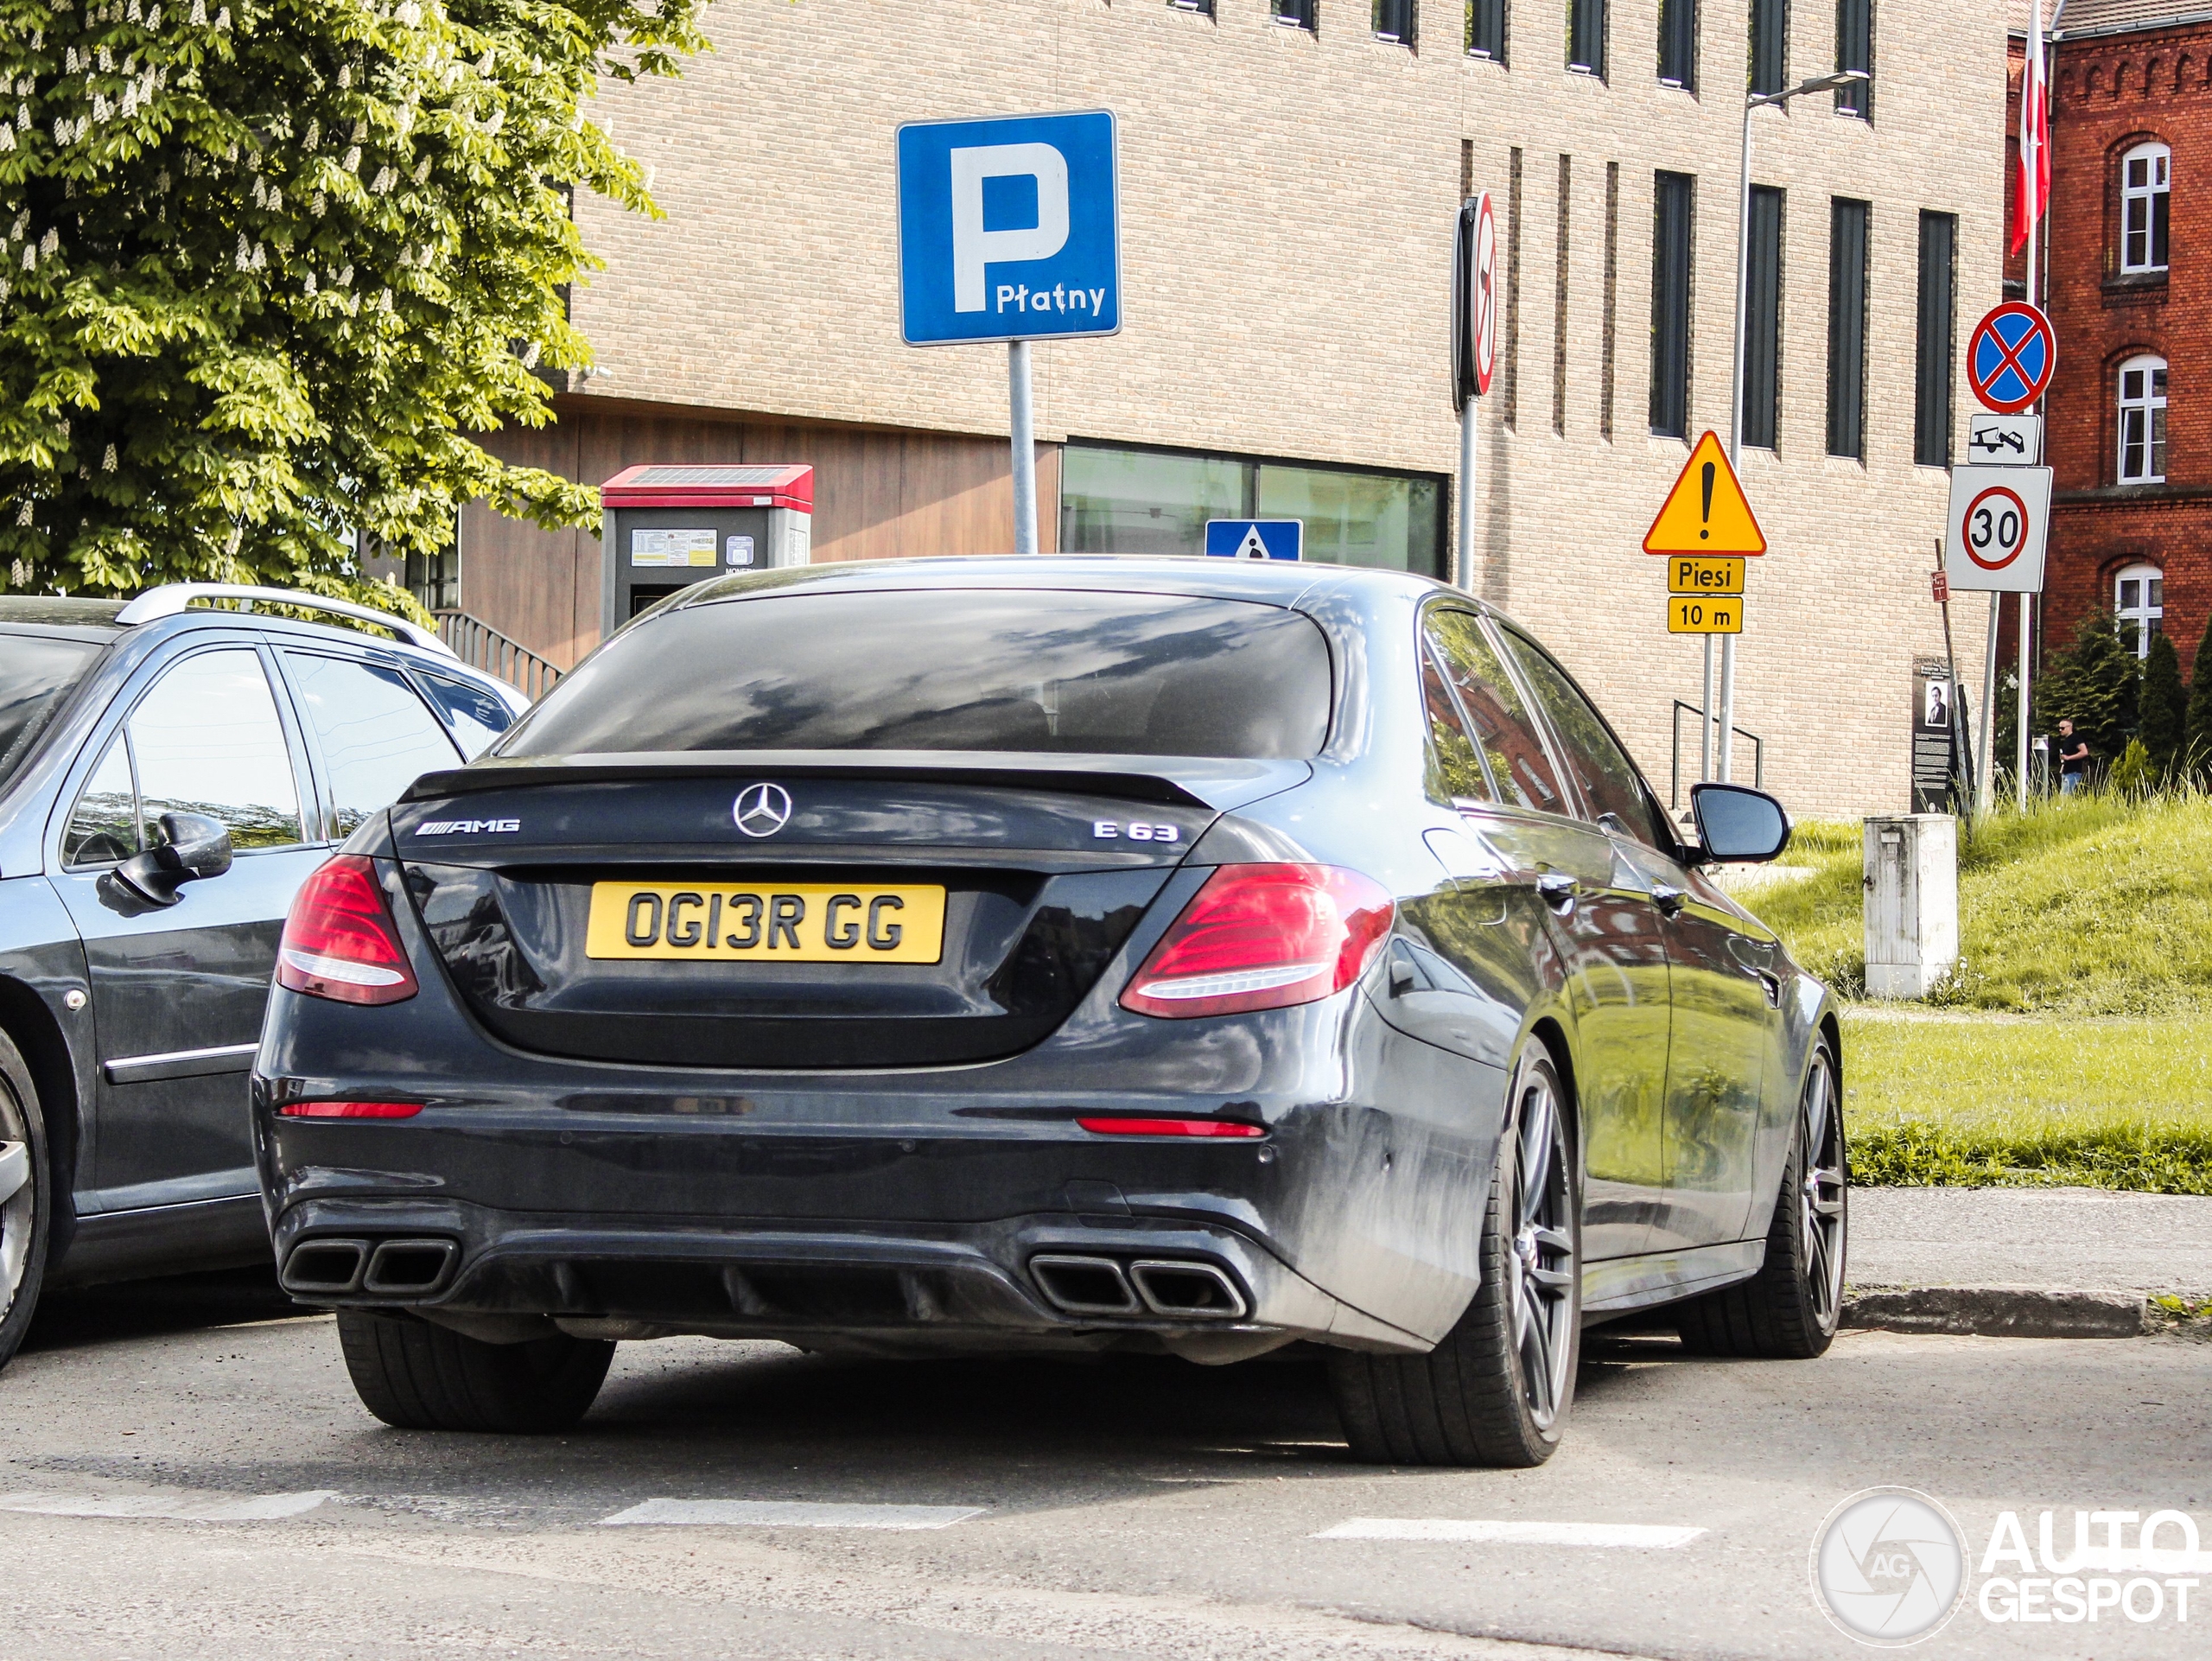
(2127, 281)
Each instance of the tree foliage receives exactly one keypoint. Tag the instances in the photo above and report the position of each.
(2197, 746)
(2162, 707)
(265, 265)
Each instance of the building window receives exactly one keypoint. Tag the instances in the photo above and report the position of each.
(2143, 421)
(1763, 320)
(1672, 227)
(1933, 360)
(1848, 222)
(1486, 29)
(2139, 602)
(435, 579)
(1854, 49)
(2145, 191)
(1296, 14)
(1586, 35)
(1769, 46)
(1204, 8)
(1395, 21)
(1116, 500)
(1678, 44)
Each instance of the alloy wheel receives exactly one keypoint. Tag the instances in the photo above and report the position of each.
(1822, 1201)
(18, 1199)
(1543, 1268)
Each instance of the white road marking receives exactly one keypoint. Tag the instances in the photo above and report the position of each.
(172, 1506)
(1644, 1535)
(790, 1513)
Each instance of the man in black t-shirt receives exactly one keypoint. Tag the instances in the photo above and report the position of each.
(2073, 751)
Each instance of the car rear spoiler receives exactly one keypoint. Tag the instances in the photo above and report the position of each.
(1218, 783)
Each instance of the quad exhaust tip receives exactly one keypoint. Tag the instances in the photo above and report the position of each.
(327, 1268)
(1100, 1286)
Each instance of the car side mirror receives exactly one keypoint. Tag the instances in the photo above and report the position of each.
(197, 847)
(1739, 825)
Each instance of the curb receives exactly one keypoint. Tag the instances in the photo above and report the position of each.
(1997, 1311)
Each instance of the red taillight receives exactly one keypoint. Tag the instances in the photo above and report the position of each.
(349, 1109)
(340, 942)
(1171, 1127)
(1263, 937)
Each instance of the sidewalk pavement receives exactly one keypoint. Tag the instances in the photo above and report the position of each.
(2051, 1263)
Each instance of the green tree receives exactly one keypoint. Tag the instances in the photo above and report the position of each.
(2092, 683)
(2198, 745)
(266, 265)
(2162, 707)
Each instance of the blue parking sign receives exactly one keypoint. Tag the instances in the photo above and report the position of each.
(1255, 538)
(1009, 229)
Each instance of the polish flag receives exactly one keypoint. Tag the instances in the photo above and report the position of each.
(2032, 196)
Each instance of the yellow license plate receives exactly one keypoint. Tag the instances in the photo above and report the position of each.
(783, 922)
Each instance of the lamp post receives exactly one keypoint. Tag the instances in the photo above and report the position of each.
(1752, 101)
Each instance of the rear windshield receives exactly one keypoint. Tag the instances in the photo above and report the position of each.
(1030, 670)
(35, 669)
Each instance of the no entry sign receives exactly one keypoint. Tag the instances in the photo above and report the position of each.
(2009, 359)
(1999, 519)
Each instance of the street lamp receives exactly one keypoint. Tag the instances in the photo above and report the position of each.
(1752, 101)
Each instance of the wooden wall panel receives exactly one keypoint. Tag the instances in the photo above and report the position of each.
(878, 494)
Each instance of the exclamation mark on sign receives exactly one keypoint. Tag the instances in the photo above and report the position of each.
(1708, 529)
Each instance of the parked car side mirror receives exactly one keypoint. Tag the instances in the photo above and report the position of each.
(1739, 825)
(197, 847)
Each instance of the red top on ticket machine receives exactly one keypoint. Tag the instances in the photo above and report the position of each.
(666, 525)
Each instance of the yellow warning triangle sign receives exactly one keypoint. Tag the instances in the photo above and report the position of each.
(1707, 512)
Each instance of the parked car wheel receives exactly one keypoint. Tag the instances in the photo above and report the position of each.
(26, 1198)
(1788, 1311)
(1495, 1391)
(419, 1377)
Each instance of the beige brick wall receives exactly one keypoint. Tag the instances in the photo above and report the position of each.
(1287, 206)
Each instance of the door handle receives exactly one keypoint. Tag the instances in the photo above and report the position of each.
(1559, 888)
(1773, 985)
(1670, 900)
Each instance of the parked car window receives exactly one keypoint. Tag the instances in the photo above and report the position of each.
(1511, 741)
(1611, 784)
(1058, 671)
(474, 715)
(207, 740)
(35, 669)
(378, 737)
(1456, 767)
(104, 825)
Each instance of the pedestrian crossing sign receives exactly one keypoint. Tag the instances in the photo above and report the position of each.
(1255, 538)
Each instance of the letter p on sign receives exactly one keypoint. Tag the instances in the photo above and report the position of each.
(973, 247)
(976, 262)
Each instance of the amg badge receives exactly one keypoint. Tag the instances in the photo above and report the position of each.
(464, 827)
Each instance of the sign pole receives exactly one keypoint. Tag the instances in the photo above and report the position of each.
(2029, 174)
(1705, 718)
(1466, 561)
(1025, 448)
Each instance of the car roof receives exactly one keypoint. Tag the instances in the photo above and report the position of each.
(1281, 582)
(91, 619)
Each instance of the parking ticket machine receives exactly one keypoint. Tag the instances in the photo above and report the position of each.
(664, 526)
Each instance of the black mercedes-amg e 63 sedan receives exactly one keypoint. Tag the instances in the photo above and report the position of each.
(985, 955)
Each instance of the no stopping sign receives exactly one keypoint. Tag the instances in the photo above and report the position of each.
(1997, 526)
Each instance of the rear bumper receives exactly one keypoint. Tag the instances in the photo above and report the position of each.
(879, 1287)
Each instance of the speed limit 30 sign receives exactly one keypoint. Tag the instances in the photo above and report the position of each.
(1998, 520)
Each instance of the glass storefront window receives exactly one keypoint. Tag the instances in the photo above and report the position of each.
(1145, 501)
(1357, 518)
(1124, 501)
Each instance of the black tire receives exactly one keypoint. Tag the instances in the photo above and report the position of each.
(419, 1377)
(1471, 1400)
(1789, 1310)
(26, 1212)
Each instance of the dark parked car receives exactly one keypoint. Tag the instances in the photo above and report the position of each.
(1064, 954)
(169, 775)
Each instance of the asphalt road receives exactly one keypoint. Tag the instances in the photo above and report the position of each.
(1126, 1508)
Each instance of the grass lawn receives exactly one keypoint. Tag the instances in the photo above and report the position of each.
(1981, 1101)
(2075, 1043)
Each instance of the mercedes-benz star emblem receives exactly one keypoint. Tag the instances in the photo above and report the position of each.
(762, 810)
